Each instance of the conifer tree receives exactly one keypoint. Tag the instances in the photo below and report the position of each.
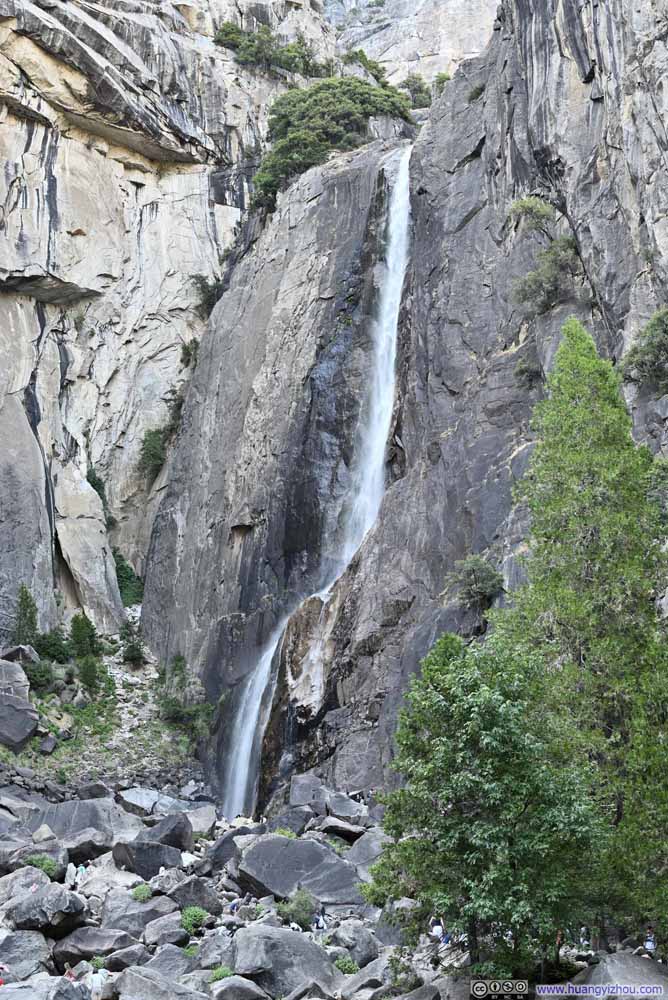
(25, 628)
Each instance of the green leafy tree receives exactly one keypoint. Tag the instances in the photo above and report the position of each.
(492, 823)
(417, 89)
(440, 81)
(25, 627)
(53, 645)
(595, 568)
(647, 361)
(477, 581)
(83, 636)
(306, 124)
(129, 584)
(153, 453)
(89, 674)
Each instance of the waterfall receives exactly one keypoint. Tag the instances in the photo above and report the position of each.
(360, 509)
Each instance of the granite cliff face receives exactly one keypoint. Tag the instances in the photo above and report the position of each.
(128, 138)
(562, 104)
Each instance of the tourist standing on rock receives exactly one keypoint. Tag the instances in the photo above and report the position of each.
(320, 922)
(650, 941)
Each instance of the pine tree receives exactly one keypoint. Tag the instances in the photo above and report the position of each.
(25, 629)
(594, 571)
(83, 637)
(494, 819)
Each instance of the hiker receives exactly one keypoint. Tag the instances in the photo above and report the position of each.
(584, 936)
(436, 929)
(650, 941)
(69, 974)
(80, 875)
(320, 922)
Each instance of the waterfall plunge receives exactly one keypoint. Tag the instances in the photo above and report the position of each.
(360, 510)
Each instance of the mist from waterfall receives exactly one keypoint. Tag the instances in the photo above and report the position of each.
(359, 511)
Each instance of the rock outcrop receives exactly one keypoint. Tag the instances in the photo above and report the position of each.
(128, 138)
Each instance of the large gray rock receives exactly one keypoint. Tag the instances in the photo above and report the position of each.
(372, 976)
(16, 853)
(145, 857)
(87, 828)
(166, 930)
(366, 851)
(279, 865)
(24, 952)
(171, 962)
(18, 721)
(280, 960)
(136, 954)
(237, 988)
(194, 891)
(357, 939)
(174, 831)
(50, 988)
(120, 910)
(20, 882)
(51, 909)
(87, 942)
(148, 984)
(216, 949)
(13, 679)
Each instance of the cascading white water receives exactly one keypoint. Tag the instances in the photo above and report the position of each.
(360, 509)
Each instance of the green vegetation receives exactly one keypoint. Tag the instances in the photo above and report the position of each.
(347, 965)
(209, 292)
(417, 89)
(191, 950)
(53, 645)
(40, 675)
(189, 351)
(197, 719)
(558, 264)
(129, 584)
(220, 972)
(299, 909)
(97, 962)
(372, 67)
(153, 453)
(192, 918)
(44, 863)
(98, 485)
(282, 831)
(440, 81)
(492, 823)
(478, 583)
(25, 624)
(264, 50)
(546, 745)
(90, 672)
(133, 644)
(306, 125)
(83, 636)
(647, 361)
(142, 893)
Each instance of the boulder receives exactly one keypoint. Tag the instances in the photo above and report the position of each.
(14, 855)
(203, 820)
(51, 909)
(366, 851)
(294, 819)
(280, 960)
(343, 807)
(20, 654)
(19, 883)
(174, 831)
(25, 952)
(138, 801)
(337, 828)
(48, 745)
(374, 975)
(148, 984)
(225, 848)
(216, 949)
(358, 941)
(194, 891)
(136, 954)
(103, 876)
(120, 910)
(171, 962)
(307, 790)
(13, 680)
(87, 942)
(51, 988)
(95, 790)
(275, 865)
(73, 821)
(145, 857)
(166, 930)
(237, 988)
(18, 721)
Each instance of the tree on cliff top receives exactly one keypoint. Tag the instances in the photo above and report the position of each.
(494, 818)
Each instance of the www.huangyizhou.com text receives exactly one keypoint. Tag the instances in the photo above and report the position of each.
(598, 990)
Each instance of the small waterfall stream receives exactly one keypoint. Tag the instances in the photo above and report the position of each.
(360, 509)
